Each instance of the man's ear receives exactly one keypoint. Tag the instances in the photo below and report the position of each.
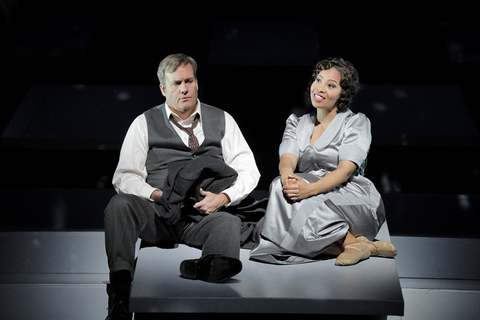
(162, 89)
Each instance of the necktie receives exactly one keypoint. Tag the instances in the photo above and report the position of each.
(192, 139)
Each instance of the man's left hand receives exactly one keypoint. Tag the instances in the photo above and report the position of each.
(211, 202)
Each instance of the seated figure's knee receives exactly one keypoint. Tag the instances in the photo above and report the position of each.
(276, 185)
(118, 203)
(228, 219)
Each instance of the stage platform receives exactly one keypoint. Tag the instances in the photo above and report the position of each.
(58, 275)
(371, 288)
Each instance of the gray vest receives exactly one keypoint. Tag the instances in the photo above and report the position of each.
(165, 145)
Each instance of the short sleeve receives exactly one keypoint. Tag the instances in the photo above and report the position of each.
(357, 139)
(289, 142)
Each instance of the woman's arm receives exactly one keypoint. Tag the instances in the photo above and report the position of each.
(297, 189)
(286, 166)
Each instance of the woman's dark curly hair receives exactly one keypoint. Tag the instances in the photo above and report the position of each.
(349, 82)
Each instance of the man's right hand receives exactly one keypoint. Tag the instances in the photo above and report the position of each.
(156, 194)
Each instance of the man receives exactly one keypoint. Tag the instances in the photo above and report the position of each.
(169, 191)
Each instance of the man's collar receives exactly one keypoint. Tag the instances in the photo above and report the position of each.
(190, 119)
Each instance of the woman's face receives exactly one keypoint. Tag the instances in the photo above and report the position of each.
(325, 90)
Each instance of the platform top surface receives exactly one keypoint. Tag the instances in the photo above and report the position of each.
(265, 287)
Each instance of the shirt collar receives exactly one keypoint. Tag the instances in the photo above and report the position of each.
(190, 119)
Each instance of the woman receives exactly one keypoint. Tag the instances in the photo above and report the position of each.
(321, 203)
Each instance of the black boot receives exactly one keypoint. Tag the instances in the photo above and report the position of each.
(120, 283)
(211, 268)
(119, 311)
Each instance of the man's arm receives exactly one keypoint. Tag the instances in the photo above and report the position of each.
(130, 174)
(238, 155)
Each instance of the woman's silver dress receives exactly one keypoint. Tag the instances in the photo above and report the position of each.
(299, 232)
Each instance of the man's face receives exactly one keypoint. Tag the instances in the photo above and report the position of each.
(181, 90)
